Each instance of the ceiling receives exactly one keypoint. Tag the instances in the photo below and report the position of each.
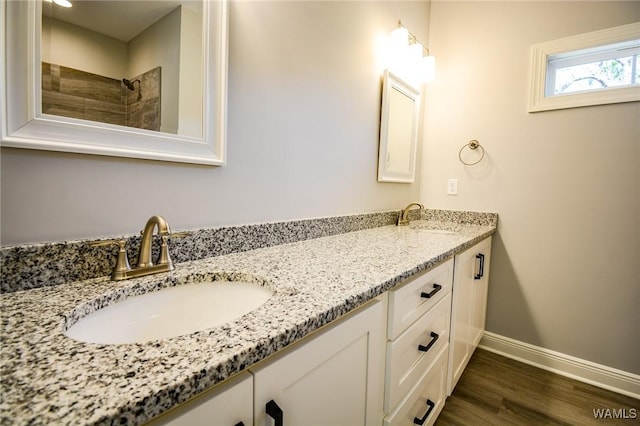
(120, 19)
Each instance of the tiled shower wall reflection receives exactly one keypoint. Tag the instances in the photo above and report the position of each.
(143, 102)
(78, 94)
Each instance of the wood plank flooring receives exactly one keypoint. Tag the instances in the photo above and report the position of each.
(495, 390)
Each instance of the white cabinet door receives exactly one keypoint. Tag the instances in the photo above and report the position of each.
(479, 295)
(225, 405)
(469, 304)
(333, 378)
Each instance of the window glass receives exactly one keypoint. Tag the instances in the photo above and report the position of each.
(597, 68)
(609, 66)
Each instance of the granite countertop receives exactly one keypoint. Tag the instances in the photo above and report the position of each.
(48, 378)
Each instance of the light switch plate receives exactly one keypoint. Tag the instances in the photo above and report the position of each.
(452, 187)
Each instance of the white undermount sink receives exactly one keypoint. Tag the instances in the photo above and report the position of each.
(170, 312)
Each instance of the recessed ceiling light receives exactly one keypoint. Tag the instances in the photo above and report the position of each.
(63, 3)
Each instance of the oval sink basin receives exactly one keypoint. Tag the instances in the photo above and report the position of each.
(169, 312)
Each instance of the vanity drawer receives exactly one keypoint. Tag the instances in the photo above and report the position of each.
(427, 399)
(417, 296)
(411, 354)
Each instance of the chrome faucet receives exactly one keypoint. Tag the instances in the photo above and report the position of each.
(123, 270)
(403, 218)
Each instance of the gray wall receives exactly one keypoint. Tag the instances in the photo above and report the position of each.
(566, 268)
(304, 110)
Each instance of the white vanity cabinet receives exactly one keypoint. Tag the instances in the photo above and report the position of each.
(392, 361)
(333, 378)
(417, 347)
(230, 403)
(468, 311)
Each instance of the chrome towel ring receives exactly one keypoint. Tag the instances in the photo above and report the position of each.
(473, 145)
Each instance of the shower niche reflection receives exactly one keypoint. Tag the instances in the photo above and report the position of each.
(134, 102)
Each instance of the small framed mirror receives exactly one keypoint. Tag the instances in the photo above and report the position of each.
(87, 80)
(398, 130)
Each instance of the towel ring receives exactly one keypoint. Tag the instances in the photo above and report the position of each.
(473, 144)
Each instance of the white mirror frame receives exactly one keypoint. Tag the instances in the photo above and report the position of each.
(23, 125)
(391, 82)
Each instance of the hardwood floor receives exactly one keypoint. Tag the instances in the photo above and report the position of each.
(495, 390)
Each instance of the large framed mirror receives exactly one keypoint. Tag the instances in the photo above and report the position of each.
(398, 130)
(140, 79)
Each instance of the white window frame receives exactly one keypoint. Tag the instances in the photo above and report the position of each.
(540, 54)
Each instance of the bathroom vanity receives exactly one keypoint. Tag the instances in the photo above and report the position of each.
(362, 327)
(332, 377)
(329, 378)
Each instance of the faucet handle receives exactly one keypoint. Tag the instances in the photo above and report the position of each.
(122, 264)
(180, 234)
(164, 258)
(115, 242)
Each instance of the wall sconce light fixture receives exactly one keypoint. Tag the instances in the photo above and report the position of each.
(409, 57)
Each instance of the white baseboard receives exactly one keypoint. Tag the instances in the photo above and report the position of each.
(565, 365)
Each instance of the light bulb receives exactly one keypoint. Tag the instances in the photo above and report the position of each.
(63, 3)
(400, 38)
(415, 52)
(427, 68)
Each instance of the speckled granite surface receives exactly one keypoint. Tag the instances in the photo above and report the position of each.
(36, 265)
(47, 378)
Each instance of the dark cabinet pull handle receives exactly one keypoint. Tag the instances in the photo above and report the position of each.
(436, 288)
(274, 411)
(421, 421)
(434, 338)
(480, 273)
(239, 424)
